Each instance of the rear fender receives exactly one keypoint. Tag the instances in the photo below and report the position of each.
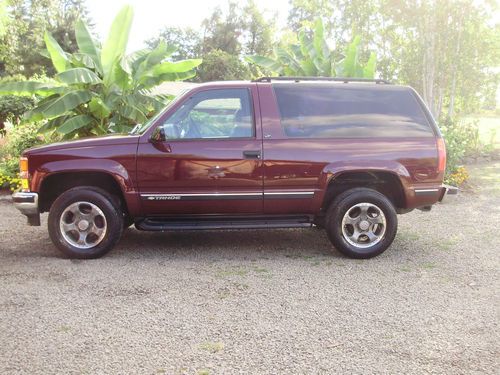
(333, 170)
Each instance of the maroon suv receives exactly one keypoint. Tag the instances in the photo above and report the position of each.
(346, 155)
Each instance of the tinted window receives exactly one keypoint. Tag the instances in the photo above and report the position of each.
(221, 113)
(327, 111)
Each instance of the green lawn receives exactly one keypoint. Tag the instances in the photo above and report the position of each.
(489, 129)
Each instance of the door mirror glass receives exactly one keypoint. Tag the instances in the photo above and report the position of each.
(159, 135)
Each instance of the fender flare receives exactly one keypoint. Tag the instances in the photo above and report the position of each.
(110, 167)
(332, 171)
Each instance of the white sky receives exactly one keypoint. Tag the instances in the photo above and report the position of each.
(150, 16)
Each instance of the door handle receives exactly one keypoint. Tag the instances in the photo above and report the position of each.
(251, 154)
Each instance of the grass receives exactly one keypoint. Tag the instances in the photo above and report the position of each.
(64, 328)
(212, 347)
(447, 244)
(233, 271)
(489, 129)
(428, 266)
(488, 175)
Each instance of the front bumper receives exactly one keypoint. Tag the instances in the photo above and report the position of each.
(27, 203)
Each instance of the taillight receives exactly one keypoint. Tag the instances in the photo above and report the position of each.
(441, 155)
(24, 174)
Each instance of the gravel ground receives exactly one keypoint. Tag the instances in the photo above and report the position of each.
(259, 302)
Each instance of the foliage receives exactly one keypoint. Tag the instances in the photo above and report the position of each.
(22, 46)
(257, 30)
(447, 50)
(13, 107)
(462, 140)
(7, 182)
(312, 56)
(18, 139)
(98, 89)
(187, 41)
(303, 12)
(221, 31)
(220, 65)
(238, 29)
(457, 177)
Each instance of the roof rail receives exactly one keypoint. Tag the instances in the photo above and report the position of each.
(332, 79)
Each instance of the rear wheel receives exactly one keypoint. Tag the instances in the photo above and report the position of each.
(361, 223)
(85, 222)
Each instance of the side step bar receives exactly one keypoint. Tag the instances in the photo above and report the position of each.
(220, 222)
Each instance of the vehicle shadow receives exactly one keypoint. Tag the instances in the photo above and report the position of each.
(224, 244)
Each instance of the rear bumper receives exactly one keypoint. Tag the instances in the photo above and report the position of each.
(449, 192)
(428, 196)
(27, 204)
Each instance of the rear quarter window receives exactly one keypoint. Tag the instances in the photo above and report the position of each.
(343, 111)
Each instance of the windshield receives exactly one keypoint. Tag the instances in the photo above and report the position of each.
(141, 128)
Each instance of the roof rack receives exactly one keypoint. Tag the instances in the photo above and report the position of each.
(332, 79)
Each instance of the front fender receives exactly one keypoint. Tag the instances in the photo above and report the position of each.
(111, 167)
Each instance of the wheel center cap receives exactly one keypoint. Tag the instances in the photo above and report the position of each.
(364, 225)
(83, 225)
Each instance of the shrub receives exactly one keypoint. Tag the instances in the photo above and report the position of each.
(462, 140)
(13, 107)
(7, 182)
(18, 139)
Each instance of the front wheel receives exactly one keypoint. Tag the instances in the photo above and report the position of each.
(361, 223)
(85, 223)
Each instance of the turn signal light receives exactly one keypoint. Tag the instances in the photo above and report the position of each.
(23, 164)
(24, 174)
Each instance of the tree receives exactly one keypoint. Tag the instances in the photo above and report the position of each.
(258, 31)
(221, 66)
(446, 49)
(222, 31)
(186, 40)
(98, 89)
(23, 44)
(313, 57)
(302, 13)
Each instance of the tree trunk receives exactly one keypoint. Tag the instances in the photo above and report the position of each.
(429, 68)
(451, 106)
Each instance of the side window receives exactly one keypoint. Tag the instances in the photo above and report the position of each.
(213, 114)
(342, 111)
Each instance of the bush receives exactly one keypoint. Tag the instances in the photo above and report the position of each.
(7, 182)
(18, 139)
(462, 141)
(221, 66)
(13, 107)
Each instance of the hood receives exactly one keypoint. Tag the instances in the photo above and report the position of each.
(106, 140)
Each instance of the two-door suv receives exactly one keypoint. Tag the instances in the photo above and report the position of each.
(344, 154)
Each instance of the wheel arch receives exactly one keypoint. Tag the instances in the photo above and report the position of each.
(390, 179)
(54, 184)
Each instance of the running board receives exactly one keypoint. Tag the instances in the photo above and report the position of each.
(222, 222)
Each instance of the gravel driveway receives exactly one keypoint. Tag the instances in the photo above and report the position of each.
(259, 302)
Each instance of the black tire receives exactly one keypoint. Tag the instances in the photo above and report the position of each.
(112, 227)
(347, 201)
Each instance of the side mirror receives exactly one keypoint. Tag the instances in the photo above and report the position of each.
(159, 135)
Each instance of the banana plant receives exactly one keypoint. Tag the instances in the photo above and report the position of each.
(313, 57)
(100, 89)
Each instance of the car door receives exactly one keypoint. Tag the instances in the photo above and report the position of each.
(205, 157)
